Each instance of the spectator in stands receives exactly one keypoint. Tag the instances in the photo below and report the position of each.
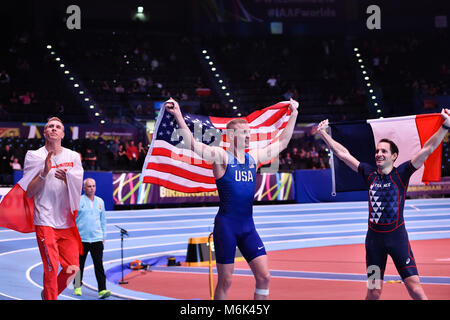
(119, 89)
(122, 158)
(25, 98)
(90, 159)
(272, 81)
(142, 154)
(15, 165)
(295, 157)
(115, 149)
(309, 160)
(6, 157)
(287, 163)
(314, 153)
(90, 142)
(132, 154)
(302, 160)
(102, 152)
(154, 64)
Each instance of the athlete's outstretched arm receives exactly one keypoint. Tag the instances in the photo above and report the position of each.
(419, 159)
(213, 154)
(273, 150)
(338, 149)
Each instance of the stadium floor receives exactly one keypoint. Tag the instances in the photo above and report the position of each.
(161, 232)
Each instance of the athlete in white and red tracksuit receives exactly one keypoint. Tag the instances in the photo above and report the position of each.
(56, 190)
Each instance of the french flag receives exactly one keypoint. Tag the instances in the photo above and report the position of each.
(361, 137)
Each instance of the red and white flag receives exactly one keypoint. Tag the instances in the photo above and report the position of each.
(169, 164)
(409, 133)
(17, 210)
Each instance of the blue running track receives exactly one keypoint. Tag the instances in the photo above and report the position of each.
(160, 232)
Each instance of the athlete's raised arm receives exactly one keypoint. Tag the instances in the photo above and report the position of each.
(338, 149)
(273, 150)
(419, 159)
(208, 153)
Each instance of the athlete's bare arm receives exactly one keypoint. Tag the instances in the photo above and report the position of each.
(419, 159)
(338, 149)
(216, 155)
(273, 150)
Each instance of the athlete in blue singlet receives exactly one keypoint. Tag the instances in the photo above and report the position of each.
(233, 225)
(235, 174)
(387, 186)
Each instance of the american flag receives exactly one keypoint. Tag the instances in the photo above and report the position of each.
(170, 164)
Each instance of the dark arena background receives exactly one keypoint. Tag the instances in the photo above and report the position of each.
(106, 67)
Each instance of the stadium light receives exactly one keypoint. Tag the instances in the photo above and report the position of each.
(102, 122)
(231, 101)
(57, 59)
(81, 92)
(49, 46)
(360, 60)
(366, 78)
(375, 104)
(71, 78)
(234, 107)
(207, 57)
(96, 114)
(62, 65)
(76, 85)
(227, 94)
(140, 9)
(362, 66)
(374, 97)
(66, 72)
(210, 63)
(86, 99)
(239, 114)
(364, 72)
(358, 55)
(371, 90)
(52, 53)
(379, 110)
(217, 75)
(355, 49)
(204, 51)
(91, 106)
(368, 84)
(220, 80)
(223, 87)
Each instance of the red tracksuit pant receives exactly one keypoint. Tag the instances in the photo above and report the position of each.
(57, 247)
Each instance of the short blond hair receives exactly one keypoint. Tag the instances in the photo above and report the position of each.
(232, 123)
(53, 119)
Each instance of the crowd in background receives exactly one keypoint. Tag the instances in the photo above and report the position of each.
(98, 153)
